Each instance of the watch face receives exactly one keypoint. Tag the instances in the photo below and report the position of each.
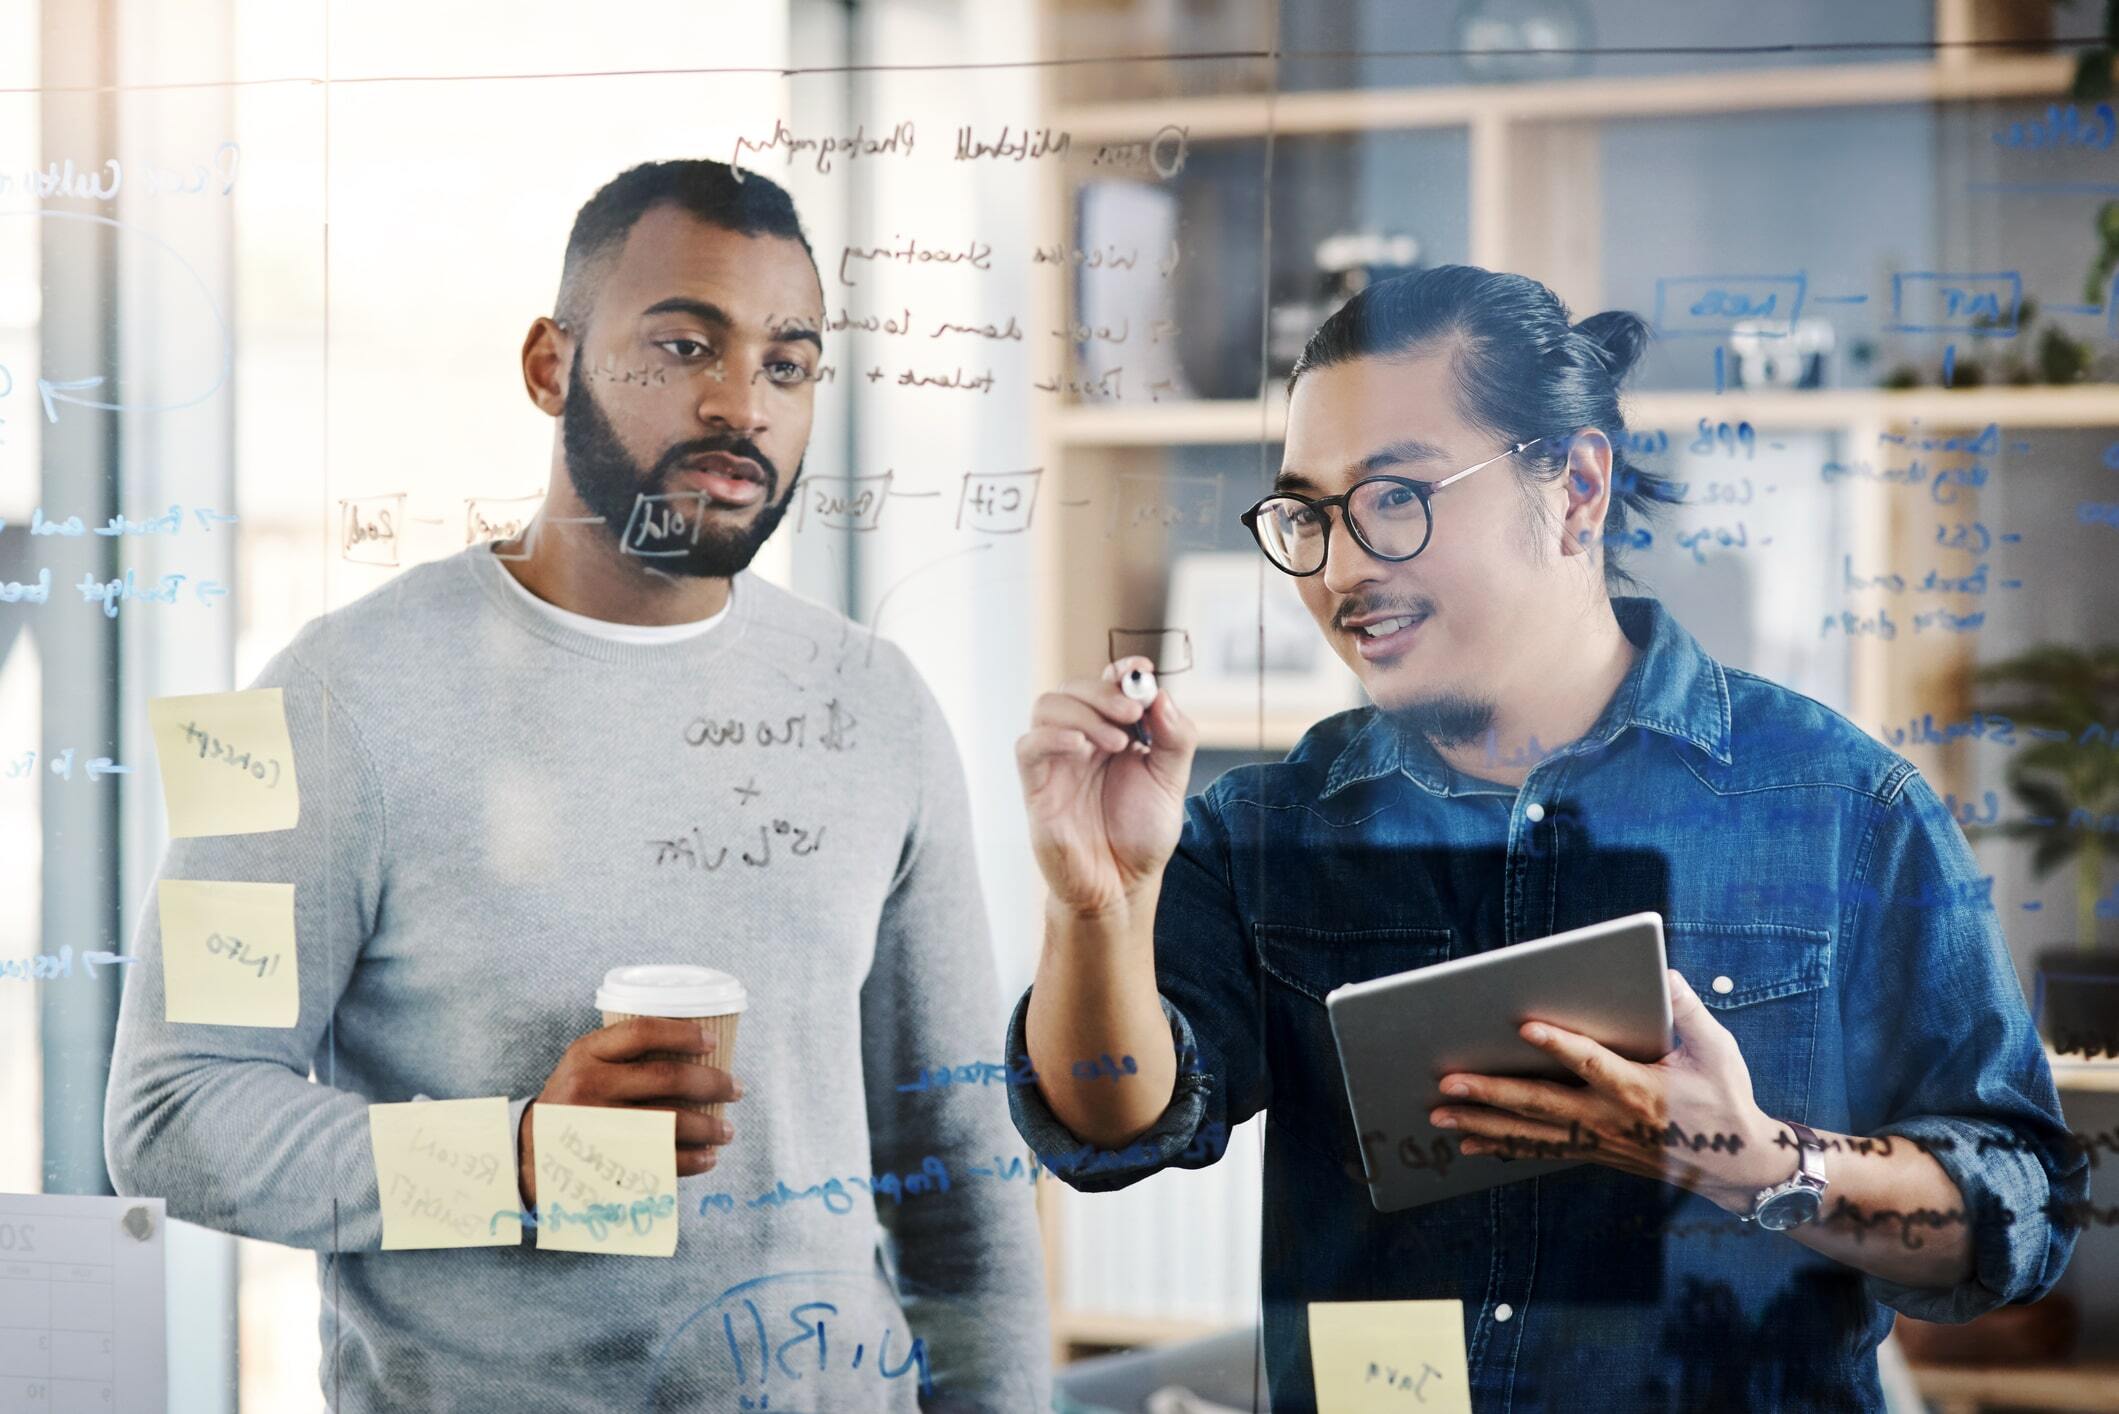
(1791, 1209)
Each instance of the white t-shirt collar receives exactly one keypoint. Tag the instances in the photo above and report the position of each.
(645, 635)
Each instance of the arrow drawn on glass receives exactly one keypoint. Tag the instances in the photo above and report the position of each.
(55, 391)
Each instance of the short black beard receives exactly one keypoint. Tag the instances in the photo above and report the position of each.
(610, 483)
(1446, 721)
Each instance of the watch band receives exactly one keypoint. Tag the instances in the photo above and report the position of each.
(1809, 1181)
(1810, 1154)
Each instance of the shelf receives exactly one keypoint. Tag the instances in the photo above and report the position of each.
(1112, 1329)
(2082, 405)
(1572, 100)
(2075, 1073)
(1249, 420)
(2085, 1385)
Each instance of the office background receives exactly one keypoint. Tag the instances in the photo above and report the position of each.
(330, 320)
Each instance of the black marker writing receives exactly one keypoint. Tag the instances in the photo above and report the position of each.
(855, 144)
(1024, 145)
(211, 748)
(690, 849)
(1847, 1214)
(977, 254)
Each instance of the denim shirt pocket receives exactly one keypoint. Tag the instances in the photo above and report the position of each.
(1767, 983)
(1301, 966)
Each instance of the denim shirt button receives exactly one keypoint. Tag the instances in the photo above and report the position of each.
(1723, 985)
(1503, 1311)
(1534, 812)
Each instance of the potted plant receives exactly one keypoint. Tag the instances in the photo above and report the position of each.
(2066, 778)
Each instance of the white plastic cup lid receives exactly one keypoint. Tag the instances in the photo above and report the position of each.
(670, 989)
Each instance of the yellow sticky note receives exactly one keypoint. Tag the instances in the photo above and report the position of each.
(227, 764)
(228, 953)
(445, 1171)
(1386, 1357)
(606, 1179)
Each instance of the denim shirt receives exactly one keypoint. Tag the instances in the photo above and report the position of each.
(1817, 896)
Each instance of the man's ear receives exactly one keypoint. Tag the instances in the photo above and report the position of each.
(546, 356)
(1588, 490)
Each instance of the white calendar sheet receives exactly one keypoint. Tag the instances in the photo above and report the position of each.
(81, 1305)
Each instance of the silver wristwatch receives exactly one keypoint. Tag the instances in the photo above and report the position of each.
(1802, 1197)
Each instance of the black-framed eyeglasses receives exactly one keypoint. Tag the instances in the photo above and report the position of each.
(1389, 516)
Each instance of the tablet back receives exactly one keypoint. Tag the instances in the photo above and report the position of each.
(1399, 1035)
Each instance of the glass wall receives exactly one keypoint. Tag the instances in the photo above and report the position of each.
(344, 438)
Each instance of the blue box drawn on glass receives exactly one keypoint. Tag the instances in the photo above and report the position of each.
(1712, 304)
(1939, 302)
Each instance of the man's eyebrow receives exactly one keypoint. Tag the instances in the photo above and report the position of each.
(1295, 481)
(1410, 449)
(794, 330)
(697, 308)
(799, 332)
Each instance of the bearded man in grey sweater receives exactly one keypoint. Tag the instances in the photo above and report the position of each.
(607, 743)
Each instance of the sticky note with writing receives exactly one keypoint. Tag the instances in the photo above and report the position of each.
(228, 953)
(1376, 1357)
(227, 763)
(445, 1171)
(606, 1179)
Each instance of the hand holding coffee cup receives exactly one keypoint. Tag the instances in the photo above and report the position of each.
(668, 1038)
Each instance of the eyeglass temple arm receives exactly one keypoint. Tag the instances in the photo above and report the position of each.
(1459, 476)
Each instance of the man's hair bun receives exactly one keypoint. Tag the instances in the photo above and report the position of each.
(1620, 338)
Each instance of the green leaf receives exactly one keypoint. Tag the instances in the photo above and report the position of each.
(2093, 75)
(2040, 798)
(2056, 849)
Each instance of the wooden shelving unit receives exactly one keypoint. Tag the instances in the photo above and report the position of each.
(1581, 100)
(1533, 155)
(1203, 423)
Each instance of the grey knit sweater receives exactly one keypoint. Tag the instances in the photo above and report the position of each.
(495, 809)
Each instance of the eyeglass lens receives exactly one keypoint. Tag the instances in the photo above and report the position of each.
(1388, 517)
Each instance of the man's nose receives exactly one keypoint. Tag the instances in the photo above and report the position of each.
(1347, 566)
(736, 401)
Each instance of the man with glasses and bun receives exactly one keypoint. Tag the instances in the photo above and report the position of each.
(1858, 1117)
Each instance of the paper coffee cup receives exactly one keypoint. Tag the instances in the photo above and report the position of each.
(715, 999)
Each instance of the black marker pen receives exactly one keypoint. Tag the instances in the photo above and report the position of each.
(1139, 684)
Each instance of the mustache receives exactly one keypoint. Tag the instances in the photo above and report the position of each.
(731, 443)
(1418, 606)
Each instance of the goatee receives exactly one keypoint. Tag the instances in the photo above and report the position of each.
(670, 530)
(1446, 721)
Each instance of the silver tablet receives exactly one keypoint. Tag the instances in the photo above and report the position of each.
(1399, 1035)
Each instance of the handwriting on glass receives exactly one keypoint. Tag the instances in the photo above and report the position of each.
(834, 733)
(689, 850)
(55, 966)
(1396, 1379)
(638, 1216)
(212, 748)
(92, 181)
(61, 765)
(237, 951)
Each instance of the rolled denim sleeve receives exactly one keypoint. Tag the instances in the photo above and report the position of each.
(1092, 1170)
(1942, 1051)
(1208, 981)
